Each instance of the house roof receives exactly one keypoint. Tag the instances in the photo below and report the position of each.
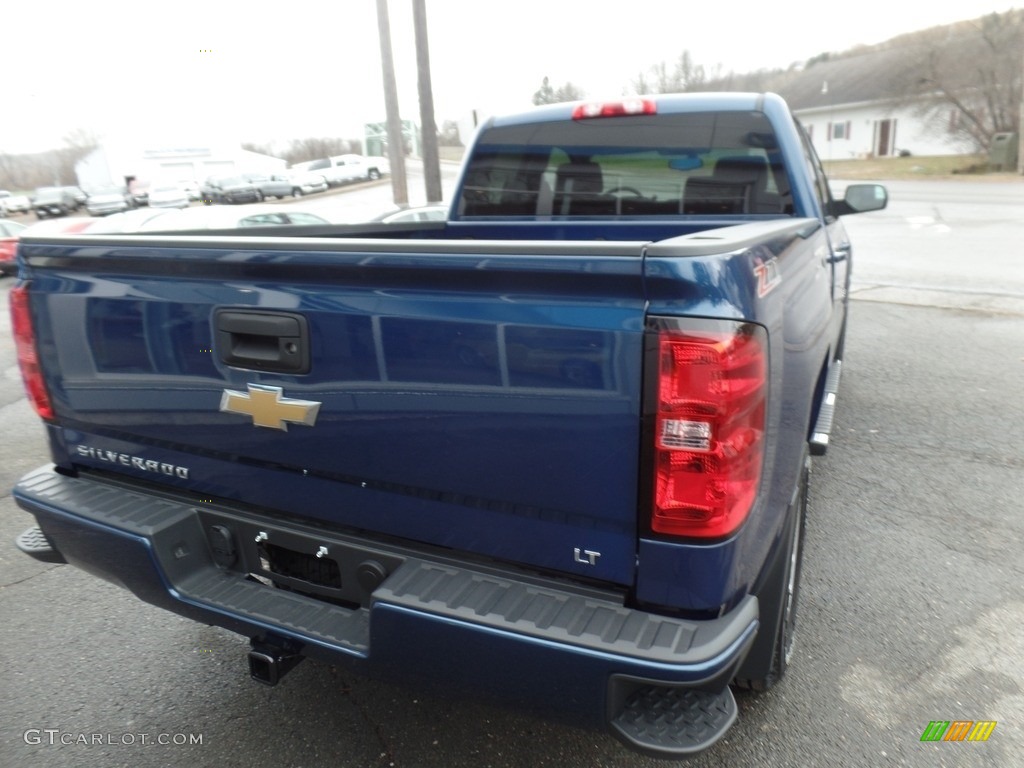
(855, 78)
(899, 68)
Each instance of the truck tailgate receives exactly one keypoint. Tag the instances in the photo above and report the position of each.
(487, 402)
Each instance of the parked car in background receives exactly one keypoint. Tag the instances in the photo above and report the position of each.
(139, 191)
(106, 200)
(167, 196)
(53, 201)
(343, 169)
(307, 183)
(270, 184)
(284, 184)
(418, 213)
(9, 233)
(225, 218)
(15, 204)
(229, 189)
(78, 194)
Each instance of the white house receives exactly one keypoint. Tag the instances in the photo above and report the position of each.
(852, 108)
(122, 163)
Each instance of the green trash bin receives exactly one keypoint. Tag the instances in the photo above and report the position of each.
(1002, 154)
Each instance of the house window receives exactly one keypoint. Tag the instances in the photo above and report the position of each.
(839, 130)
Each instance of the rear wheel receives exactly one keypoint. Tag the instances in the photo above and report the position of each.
(373, 174)
(772, 651)
(297, 192)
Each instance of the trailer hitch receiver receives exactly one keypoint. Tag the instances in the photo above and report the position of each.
(270, 659)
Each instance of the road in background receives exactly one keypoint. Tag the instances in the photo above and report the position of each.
(949, 244)
(913, 582)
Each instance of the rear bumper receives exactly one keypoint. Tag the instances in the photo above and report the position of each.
(541, 643)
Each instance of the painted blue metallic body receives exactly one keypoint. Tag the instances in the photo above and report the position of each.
(399, 441)
(433, 395)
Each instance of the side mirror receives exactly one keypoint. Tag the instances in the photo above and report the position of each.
(860, 198)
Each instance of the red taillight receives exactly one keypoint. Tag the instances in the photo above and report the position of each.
(615, 108)
(28, 357)
(708, 428)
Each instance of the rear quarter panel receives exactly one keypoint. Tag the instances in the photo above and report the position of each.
(783, 284)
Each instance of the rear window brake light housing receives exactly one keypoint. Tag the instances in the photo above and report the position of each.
(615, 108)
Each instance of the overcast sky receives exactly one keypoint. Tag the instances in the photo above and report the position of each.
(192, 73)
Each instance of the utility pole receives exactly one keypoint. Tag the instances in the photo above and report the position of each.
(431, 161)
(1020, 126)
(396, 145)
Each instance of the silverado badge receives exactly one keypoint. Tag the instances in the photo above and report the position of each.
(269, 408)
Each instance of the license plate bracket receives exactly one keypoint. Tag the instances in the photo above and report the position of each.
(315, 569)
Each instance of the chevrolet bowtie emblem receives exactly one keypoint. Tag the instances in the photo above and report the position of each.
(268, 408)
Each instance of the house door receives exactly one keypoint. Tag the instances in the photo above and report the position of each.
(885, 137)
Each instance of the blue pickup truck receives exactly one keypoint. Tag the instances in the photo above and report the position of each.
(554, 450)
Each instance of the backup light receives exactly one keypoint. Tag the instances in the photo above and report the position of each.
(693, 435)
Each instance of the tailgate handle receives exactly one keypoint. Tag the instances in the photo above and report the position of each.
(277, 342)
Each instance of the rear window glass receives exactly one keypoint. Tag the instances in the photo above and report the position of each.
(716, 163)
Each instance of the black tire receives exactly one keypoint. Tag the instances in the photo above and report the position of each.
(297, 192)
(769, 657)
(373, 174)
(259, 196)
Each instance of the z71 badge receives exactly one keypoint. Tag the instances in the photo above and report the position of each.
(768, 277)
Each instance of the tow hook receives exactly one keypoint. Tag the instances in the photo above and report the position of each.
(270, 660)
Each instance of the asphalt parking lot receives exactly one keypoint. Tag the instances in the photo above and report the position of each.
(913, 583)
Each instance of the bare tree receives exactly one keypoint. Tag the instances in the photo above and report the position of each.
(449, 134)
(640, 86)
(967, 77)
(11, 172)
(547, 94)
(77, 144)
(313, 148)
(680, 76)
(569, 92)
(261, 149)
